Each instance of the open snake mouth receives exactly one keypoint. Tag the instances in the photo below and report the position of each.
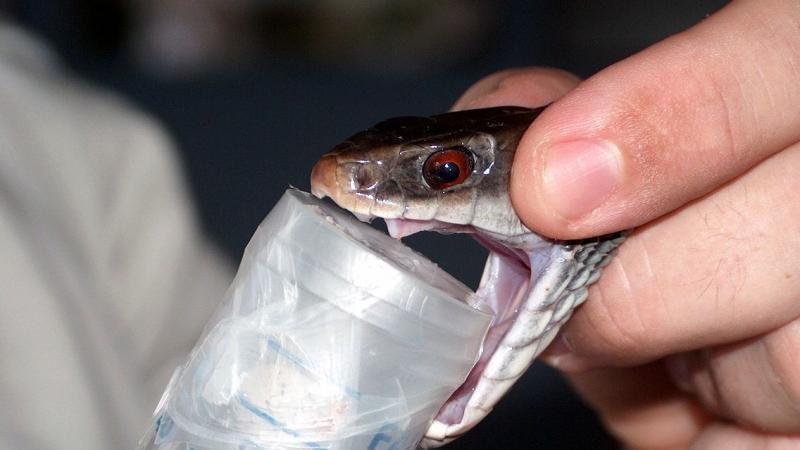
(531, 286)
(516, 335)
(502, 286)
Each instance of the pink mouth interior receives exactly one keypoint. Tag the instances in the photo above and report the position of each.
(503, 294)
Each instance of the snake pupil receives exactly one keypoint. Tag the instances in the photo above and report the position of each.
(447, 172)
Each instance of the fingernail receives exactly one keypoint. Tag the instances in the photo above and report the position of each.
(580, 175)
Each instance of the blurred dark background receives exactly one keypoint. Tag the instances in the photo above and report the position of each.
(252, 91)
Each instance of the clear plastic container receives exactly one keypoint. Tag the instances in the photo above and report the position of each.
(332, 335)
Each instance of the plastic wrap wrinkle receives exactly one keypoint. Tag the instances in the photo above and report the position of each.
(332, 335)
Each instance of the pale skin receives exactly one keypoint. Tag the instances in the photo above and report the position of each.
(691, 339)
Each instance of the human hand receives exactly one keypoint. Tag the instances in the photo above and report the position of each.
(691, 339)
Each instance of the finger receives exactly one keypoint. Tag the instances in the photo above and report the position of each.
(755, 383)
(662, 127)
(533, 86)
(728, 437)
(722, 269)
(641, 406)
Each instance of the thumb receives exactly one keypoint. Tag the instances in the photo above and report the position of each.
(663, 127)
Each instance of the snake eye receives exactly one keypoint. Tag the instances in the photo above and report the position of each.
(446, 168)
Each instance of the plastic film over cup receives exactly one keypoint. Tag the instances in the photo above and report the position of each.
(332, 336)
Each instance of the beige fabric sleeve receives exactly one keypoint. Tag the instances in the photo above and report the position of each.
(105, 278)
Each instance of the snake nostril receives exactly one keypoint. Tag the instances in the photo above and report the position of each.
(361, 177)
(366, 177)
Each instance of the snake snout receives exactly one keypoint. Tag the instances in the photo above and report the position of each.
(323, 177)
(351, 185)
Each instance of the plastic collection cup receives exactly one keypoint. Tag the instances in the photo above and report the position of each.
(332, 335)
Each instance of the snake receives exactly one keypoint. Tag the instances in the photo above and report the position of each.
(450, 173)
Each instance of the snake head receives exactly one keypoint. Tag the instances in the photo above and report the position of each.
(451, 170)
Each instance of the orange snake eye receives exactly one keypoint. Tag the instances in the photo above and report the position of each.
(446, 168)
